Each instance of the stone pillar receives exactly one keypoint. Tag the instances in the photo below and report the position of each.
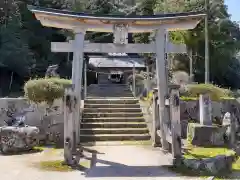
(73, 68)
(233, 127)
(78, 46)
(155, 121)
(161, 84)
(85, 80)
(205, 109)
(167, 103)
(148, 78)
(69, 107)
(134, 81)
(175, 123)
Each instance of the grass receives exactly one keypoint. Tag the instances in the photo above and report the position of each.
(51, 149)
(136, 142)
(39, 148)
(201, 153)
(236, 166)
(59, 166)
(56, 165)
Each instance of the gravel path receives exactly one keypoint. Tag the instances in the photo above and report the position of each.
(112, 162)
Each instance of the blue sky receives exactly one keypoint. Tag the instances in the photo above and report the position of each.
(233, 9)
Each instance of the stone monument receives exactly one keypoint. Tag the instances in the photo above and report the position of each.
(51, 71)
(16, 136)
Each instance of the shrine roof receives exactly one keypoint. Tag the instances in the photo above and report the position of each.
(94, 22)
(119, 62)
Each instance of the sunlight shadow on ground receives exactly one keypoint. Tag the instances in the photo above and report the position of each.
(112, 169)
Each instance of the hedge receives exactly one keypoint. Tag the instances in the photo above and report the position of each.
(45, 89)
(192, 92)
(216, 93)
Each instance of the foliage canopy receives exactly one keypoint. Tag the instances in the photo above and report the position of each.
(25, 44)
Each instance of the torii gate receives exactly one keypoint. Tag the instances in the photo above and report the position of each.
(80, 23)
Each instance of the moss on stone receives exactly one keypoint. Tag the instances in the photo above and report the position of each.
(202, 153)
(236, 166)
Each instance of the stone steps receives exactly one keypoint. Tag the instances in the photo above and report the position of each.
(119, 89)
(112, 105)
(117, 143)
(111, 113)
(112, 110)
(115, 114)
(107, 85)
(114, 119)
(106, 96)
(114, 125)
(112, 100)
(114, 131)
(109, 90)
(114, 137)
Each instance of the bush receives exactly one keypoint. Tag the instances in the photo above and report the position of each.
(45, 89)
(215, 92)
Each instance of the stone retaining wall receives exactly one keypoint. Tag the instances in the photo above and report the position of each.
(50, 125)
(190, 111)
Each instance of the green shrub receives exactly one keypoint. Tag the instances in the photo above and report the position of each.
(184, 98)
(215, 92)
(45, 89)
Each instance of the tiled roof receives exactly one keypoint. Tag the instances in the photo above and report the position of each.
(122, 61)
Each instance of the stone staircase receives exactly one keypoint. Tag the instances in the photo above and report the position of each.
(109, 91)
(111, 113)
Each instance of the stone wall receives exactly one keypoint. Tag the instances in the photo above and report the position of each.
(190, 111)
(50, 123)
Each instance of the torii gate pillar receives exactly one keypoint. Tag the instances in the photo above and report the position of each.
(77, 69)
(162, 84)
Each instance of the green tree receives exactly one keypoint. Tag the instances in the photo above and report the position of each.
(145, 8)
(25, 43)
(223, 39)
(14, 50)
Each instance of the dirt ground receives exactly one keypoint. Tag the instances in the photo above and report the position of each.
(109, 162)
